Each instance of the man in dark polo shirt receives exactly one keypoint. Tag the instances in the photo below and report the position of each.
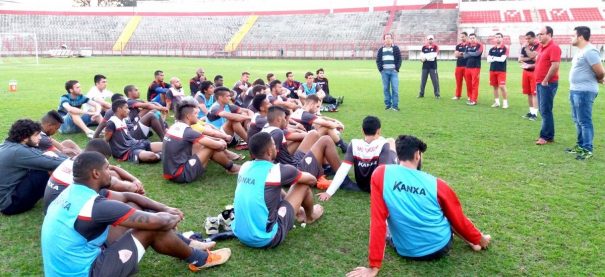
(187, 152)
(429, 54)
(547, 80)
(157, 89)
(497, 71)
(460, 65)
(196, 82)
(76, 119)
(473, 53)
(528, 80)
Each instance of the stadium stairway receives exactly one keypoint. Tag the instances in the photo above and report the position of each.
(237, 38)
(127, 33)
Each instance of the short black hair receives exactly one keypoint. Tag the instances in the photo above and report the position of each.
(274, 113)
(258, 89)
(70, 85)
(288, 73)
(258, 81)
(319, 70)
(464, 33)
(259, 143)
(98, 78)
(221, 91)
(116, 96)
(157, 72)
(313, 98)
(218, 77)
(308, 74)
(274, 83)
(184, 108)
(205, 85)
(500, 34)
(99, 145)
(257, 101)
(22, 129)
(472, 34)
(407, 146)
(52, 117)
(531, 34)
(85, 163)
(370, 125)
(269, 76)
(245, 73)
(583, 31)
(549, 31)
(118, 104)
(128, 89)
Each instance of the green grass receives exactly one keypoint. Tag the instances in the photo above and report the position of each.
(544, 210)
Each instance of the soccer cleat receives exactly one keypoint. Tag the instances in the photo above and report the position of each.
(455, 98)
(471, 103)
(216, 257)
(323, 183)
(574, 150)
(226, 217)
(527, 116)
(584, 155)
(495, 105)
(211, 225)
(533, 117)
(505, 106)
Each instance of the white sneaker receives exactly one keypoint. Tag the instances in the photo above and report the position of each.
(211, 225)
(505, 106)
(495, 105)
(455, 98)
(226, 217)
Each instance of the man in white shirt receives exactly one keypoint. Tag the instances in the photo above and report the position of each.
(99, 92)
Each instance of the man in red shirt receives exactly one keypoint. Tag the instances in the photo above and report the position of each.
(547, 76)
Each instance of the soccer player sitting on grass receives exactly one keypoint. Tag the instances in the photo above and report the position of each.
(174, 94)
(51, 122)
(420, 211)
(123, 146)
(187, 152)
(77, 238)
(312, 152)
(324, 125)
(205, 98)
(266, 213)
(310, 88)
(24, 169)
(156, 92)
(227, 117)
(277, 98)
(75, 119)
(139, 129)
(259, 119)
(139, 110)
(365, 155)
(99, 92)
(62, 177)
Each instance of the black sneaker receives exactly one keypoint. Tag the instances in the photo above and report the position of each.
(533, 117)
(527, 115)
(387, 108)
(395, 109)
(420, 96)
(574, 150)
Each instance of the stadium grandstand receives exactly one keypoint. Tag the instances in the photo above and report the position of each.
(315, 29)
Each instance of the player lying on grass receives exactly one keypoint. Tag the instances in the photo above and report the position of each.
(62, 177)
(364, 155)
(415, 212)
(187, 152)
(77, 238)
(266, 213)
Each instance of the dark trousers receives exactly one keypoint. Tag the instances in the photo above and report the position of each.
(28, 192)
(546, 98)
(434, 80)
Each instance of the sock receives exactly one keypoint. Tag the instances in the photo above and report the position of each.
(505, 102)
(342, 145)
(497, 101)
(197, 258)
(533, 111)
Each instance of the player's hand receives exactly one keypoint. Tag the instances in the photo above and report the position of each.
(544, 83)
(228, 138)
(363, 272)
(175, 211)
(483, 244)
(324, 196)
(139, 187)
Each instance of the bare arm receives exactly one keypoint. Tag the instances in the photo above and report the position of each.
(99, 129)
(554, 67)
(599, 71)
(234, 116)
(219, 145)
(307, 179)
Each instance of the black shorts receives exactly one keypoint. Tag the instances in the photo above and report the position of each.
(308, 163)
(135, 150)
(140, 131)
(118, 259)
(190, 172)
(284, 224)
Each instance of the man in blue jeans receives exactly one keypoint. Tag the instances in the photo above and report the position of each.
(388, 60)
(547, 79)
(584, 77)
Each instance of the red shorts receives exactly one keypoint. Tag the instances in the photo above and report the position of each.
(528, 81)
(497, 78)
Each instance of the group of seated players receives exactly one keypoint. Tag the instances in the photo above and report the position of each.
(291, 145)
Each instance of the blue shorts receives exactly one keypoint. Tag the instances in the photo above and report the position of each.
(69, 127)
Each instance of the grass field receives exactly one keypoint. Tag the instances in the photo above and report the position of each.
(544, 210)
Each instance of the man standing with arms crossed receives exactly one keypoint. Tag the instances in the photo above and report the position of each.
(528, 80)
(460, 64)
(547, 80)
(429, 67)
(388, 61)
(473, 68)
(497, 71)
(584, 77)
